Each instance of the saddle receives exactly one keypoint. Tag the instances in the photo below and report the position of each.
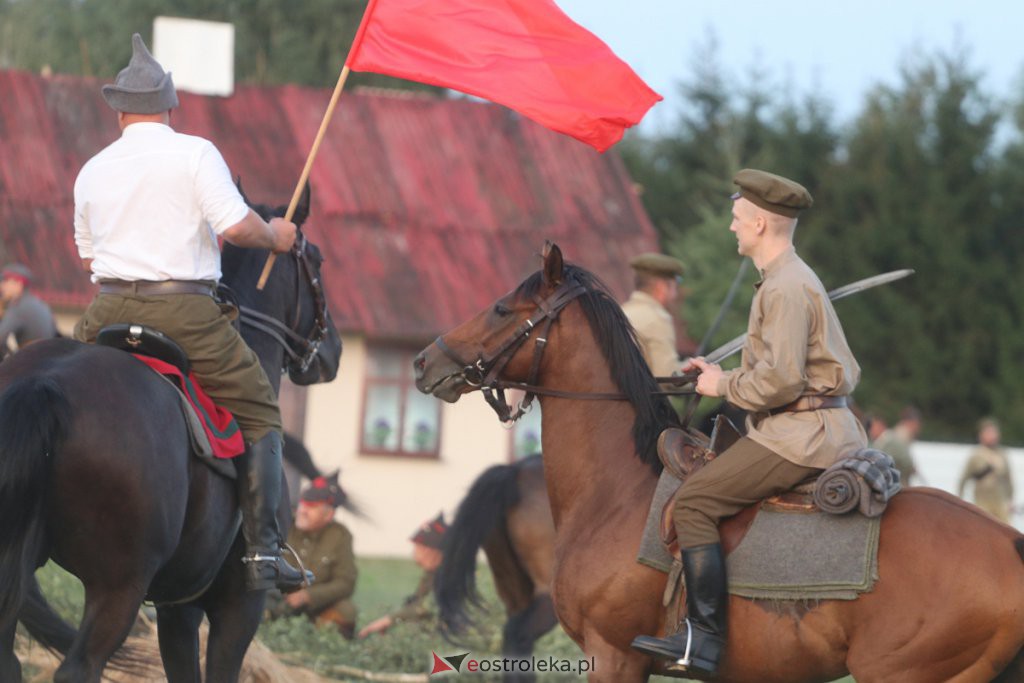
(147, 341)
(683, 452)
(213, 431)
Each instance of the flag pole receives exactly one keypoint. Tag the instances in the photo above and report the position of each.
(305, 171)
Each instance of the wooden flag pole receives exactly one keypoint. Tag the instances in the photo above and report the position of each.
(305, 171)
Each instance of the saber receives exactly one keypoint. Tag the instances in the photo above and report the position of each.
(724, 308)
(731, 347)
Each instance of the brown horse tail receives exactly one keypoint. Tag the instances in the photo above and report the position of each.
(480, 518)
(34, 418)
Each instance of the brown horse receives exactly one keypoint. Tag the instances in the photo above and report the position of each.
(506, 512)
(949, 602)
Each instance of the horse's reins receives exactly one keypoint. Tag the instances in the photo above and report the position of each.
(483, 373)
(308, 346)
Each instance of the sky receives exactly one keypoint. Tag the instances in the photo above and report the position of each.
(836, 48)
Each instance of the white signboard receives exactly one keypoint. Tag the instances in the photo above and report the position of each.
(199, 54)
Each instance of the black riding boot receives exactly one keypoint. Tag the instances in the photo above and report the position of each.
(699, 646)
(259, 492)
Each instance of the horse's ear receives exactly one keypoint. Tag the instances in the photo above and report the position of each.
(554, 266)
(302, 208)
(238, 184)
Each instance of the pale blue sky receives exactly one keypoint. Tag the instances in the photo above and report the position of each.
(837, 48)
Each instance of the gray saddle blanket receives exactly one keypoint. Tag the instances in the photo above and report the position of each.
(785, 555)
(198, 439)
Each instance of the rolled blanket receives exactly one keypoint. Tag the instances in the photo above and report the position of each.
(865, 480)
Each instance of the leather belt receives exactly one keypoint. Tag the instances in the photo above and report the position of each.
(157, 287)
(806, 403)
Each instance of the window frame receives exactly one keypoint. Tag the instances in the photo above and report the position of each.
(403, 383)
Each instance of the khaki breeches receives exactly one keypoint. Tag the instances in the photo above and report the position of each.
(741, 476)
(227, 369)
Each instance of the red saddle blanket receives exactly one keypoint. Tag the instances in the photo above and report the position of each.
(220, 426)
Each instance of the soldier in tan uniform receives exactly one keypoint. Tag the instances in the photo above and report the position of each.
(989, 468)
(796, 373)
(325, 547)
(657, 278)
(427, 553)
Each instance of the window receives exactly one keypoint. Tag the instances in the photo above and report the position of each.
(526, 432)
(397, 418)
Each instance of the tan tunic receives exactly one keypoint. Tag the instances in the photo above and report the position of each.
(655, 332)
(795, 347)
(989, 468)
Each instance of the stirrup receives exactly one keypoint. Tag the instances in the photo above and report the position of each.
(685, 661)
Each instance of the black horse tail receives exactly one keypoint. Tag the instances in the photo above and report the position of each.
(480, 519)
(34, 419)
(43, 623)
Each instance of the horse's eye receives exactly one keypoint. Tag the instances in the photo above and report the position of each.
(502, 310)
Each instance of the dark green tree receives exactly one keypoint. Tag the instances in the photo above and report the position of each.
(276, 41)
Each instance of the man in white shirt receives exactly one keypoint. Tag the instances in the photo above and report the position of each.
(148, 211)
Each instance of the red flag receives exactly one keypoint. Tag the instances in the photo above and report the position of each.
(525, 54)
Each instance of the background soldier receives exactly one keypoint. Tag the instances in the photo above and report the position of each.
(989, 468)
(325, 547)
(426, 551)
(25, 316)
(897, 440)
(657, 287)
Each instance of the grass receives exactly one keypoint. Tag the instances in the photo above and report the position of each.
(382, 585)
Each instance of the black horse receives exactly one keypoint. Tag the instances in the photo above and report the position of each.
(96, 473)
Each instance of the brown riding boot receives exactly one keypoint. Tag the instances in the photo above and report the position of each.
(259, 493)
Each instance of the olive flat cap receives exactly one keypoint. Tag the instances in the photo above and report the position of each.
(659, 264)
(772, 192)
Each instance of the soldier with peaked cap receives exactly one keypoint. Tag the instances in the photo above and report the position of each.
(427, 547)
(657, 286)
(25, 316)
(794, 379)
(149, 209)
(325, 547)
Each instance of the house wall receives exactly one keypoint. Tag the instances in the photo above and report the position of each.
(397, 494)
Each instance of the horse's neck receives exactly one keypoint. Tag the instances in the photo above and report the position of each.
(241, 271)
(590, 456)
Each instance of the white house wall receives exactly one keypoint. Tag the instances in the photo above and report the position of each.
(397, 493)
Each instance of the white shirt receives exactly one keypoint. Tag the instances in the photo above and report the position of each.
(151, 204)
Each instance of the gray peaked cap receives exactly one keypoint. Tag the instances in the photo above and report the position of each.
(142, 87)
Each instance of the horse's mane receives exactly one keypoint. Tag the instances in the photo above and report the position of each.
(620, 348)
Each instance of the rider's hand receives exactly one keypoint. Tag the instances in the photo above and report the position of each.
(297, 599)
(707, 380)
(284, 234)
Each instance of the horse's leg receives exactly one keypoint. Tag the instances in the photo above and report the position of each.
(178, 633)
(109, 615)
(234, 615)
(10, 668)
(523, 629)
(608, 664)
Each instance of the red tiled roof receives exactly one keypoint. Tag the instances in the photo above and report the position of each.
(426, 209)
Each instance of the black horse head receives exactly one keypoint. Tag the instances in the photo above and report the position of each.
(308, 343)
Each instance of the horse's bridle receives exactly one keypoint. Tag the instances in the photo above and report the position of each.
(306, 349)
(483, 372)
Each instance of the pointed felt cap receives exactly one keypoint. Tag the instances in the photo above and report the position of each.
(431, 534)
(142, 87)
